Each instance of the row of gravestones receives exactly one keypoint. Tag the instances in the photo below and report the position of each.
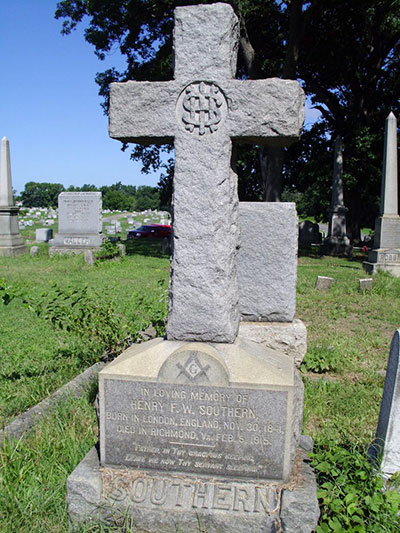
(205, 425)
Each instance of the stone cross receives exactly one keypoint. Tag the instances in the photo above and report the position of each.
(203, 110)
(6, 197)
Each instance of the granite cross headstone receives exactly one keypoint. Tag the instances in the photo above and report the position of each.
(202, 111)
(206, 430)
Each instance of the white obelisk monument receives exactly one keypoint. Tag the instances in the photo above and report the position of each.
(11, 241)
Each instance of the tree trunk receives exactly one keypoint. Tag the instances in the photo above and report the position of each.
(271, 162)
(271, 157)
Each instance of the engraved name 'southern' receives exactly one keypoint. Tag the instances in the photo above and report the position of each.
(185, 494)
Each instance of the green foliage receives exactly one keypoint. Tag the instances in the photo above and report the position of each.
(350, 494)
(108, 250)
(321, 358)
(6, 293)
(80, 311)
(34, 469)
(147, 198)
(117, 200)
(353, 81)
(116, 197)
(151, 309)
(41, 194)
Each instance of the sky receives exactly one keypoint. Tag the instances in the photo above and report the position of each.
(49, 103)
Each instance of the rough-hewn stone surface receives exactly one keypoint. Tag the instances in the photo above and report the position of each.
(163, 503)
(267, 261)
(299, 507)
(202, 110)
(287, 337)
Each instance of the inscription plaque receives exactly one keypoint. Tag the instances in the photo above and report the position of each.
(80, 212)
(199, 429)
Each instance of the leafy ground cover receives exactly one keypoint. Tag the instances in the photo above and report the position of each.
(64, 315)
(349, 335)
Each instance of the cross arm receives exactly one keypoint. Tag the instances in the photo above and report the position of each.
(267, 111)
(143, 112)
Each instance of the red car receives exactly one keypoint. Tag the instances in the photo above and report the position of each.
(152, 231)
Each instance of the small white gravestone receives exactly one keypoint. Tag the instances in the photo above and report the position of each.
(387, 441)
(365, 284)
(34, 251)
(323, 283)
(44, 234)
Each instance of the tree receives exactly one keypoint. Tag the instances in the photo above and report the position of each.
(117, 201)
(147, 198)
(345, 54)
(41, 194)
(354, 81)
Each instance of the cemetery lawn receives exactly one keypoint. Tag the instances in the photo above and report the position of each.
(64, 315)
(349, 335)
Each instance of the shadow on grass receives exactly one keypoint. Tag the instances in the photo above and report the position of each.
(309, 251)
(314, 252)
(147, 247)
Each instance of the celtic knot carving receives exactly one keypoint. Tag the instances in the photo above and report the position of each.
(202, 107)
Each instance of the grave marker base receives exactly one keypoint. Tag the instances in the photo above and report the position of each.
(164, 502)
(11, 241)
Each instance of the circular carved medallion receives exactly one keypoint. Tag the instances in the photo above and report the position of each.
(201, 108)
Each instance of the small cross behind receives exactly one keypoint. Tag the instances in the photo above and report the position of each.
(203, 110)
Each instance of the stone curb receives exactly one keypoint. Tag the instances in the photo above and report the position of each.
(26, 421)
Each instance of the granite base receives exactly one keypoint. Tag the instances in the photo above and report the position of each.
(164, 502)
(288, 337)
(373, 268)
(59, 250)
(12, 251)
(337, 246)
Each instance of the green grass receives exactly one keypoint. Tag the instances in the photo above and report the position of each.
(349, 335)
(38, 358)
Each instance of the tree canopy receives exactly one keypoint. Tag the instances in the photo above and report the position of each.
(41, 194)
(344, 53)
(116, 197)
